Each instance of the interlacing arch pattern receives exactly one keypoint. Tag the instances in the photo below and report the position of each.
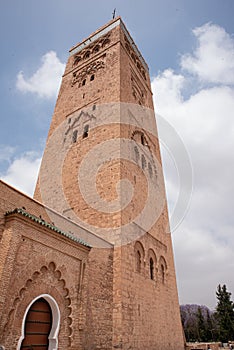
(92, 49)
(89, 71)
(134, 58)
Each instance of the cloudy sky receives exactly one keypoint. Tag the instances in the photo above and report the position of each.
(189, 47)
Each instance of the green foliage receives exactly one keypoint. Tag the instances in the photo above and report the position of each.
(200, 324)
(224, 314)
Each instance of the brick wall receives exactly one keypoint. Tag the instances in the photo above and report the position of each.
(39, 261)
(106, 87)
(36, 260)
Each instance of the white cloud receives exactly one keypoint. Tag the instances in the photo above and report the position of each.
(6, 153)
(167, 88)
(46, 80)
(204, 243)
(213, 59)
(208, 262)
(22, 172)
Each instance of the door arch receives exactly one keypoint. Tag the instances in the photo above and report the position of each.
(40, 325)
(37, 326)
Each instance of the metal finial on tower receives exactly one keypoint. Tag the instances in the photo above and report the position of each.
(113, 14)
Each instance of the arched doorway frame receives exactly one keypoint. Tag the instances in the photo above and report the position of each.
(53, 336)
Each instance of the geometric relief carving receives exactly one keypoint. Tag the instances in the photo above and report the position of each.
(80, 76)
(134, 57)
(138, 90)
(50, 273)
(76, 123)
(92, 49)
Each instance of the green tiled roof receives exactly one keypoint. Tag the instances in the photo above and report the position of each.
(42, 222)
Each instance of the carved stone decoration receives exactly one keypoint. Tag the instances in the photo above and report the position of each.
(139, 137)
(138, 91)
(49, 273)
(92, 49)
(79, 77)
(134, 57)
(77, 59)
(76, 124)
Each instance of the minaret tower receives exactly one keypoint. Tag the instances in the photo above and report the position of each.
(102, 170)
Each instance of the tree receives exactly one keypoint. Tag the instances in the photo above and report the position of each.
(225, 314)
(211, 333)
(198, 322)
(202, 329)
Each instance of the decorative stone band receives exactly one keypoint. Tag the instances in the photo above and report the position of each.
(102, 32)
(90, 69)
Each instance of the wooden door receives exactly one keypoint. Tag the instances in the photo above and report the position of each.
(37, 326)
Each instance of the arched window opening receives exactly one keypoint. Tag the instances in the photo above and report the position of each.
(162, 269)
(139, 137)
(139, 256)
(74, 136)
(86, 131)
(83, 82)
(137, 155)
(163, 273)
(105, 42)
(37, 325)
(96, 49)
(143, 162)
(143, 140)
(92, 77)
(76, 60)
(150, 169)
(138, 261)
(151, 269)
(87, 55)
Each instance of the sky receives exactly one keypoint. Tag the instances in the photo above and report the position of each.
(189, 47)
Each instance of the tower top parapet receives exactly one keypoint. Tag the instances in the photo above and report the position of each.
(104, 30)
